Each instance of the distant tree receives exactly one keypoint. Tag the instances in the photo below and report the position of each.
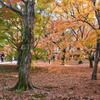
(97, 54)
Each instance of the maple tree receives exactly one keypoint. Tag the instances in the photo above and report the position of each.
(78, 36)
(97, 54)
(69, 17)
(86, 41)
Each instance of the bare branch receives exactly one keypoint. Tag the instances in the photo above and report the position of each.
(92, 26)
(74, 33)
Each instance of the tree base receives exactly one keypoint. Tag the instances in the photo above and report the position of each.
(94, 77)
(22, 87)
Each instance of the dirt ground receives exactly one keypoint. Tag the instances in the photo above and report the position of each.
(55, 82)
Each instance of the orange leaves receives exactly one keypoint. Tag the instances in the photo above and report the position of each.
(3, 9)
(7, 12)
(6, 15)
(8, 8)
(57, 26)
(11, 2)
(60, 25)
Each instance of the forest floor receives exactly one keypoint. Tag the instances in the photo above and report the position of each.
(55, 82)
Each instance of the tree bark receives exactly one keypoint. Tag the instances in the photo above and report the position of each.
(97, 55)
(94, 73)
(96, 60)
(24, 81)
(63, 56)
(19, 50)
(90, 61)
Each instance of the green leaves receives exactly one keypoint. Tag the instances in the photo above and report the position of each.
(39, 53)
(44, 4)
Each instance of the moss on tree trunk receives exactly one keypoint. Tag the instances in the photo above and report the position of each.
(24, 81)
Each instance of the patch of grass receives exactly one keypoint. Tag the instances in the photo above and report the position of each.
(39, 95)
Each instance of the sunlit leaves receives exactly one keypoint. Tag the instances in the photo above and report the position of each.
(44, 4)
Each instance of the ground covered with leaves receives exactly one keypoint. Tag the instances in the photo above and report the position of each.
(54, 82)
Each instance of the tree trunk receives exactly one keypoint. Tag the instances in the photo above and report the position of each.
(63, 56)
(94, 73)
(19, 50)
(90, 61)
(24, 81)
(96, 60)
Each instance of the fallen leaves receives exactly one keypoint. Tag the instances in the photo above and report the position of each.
(55, 82)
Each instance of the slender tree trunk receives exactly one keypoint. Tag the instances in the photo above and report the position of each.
(96, 60)
(24, 81)
(90, 61)
(94, 73)
(63, 56)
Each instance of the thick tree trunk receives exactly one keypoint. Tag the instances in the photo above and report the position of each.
(19, 50)
(24, 81)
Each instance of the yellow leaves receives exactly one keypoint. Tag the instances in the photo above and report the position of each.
(57, 26)
(97, 32)
(90, 41)
(58, 10)
(44, 4)
(98, 35)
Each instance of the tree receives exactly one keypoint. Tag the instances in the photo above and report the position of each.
(97, 54)
(27, 13)
(86, 37)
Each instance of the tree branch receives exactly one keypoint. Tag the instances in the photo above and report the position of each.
(92, 26)
(11, 8)
(85, 21)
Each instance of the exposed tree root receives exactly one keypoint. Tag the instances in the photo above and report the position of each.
(23, 87)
